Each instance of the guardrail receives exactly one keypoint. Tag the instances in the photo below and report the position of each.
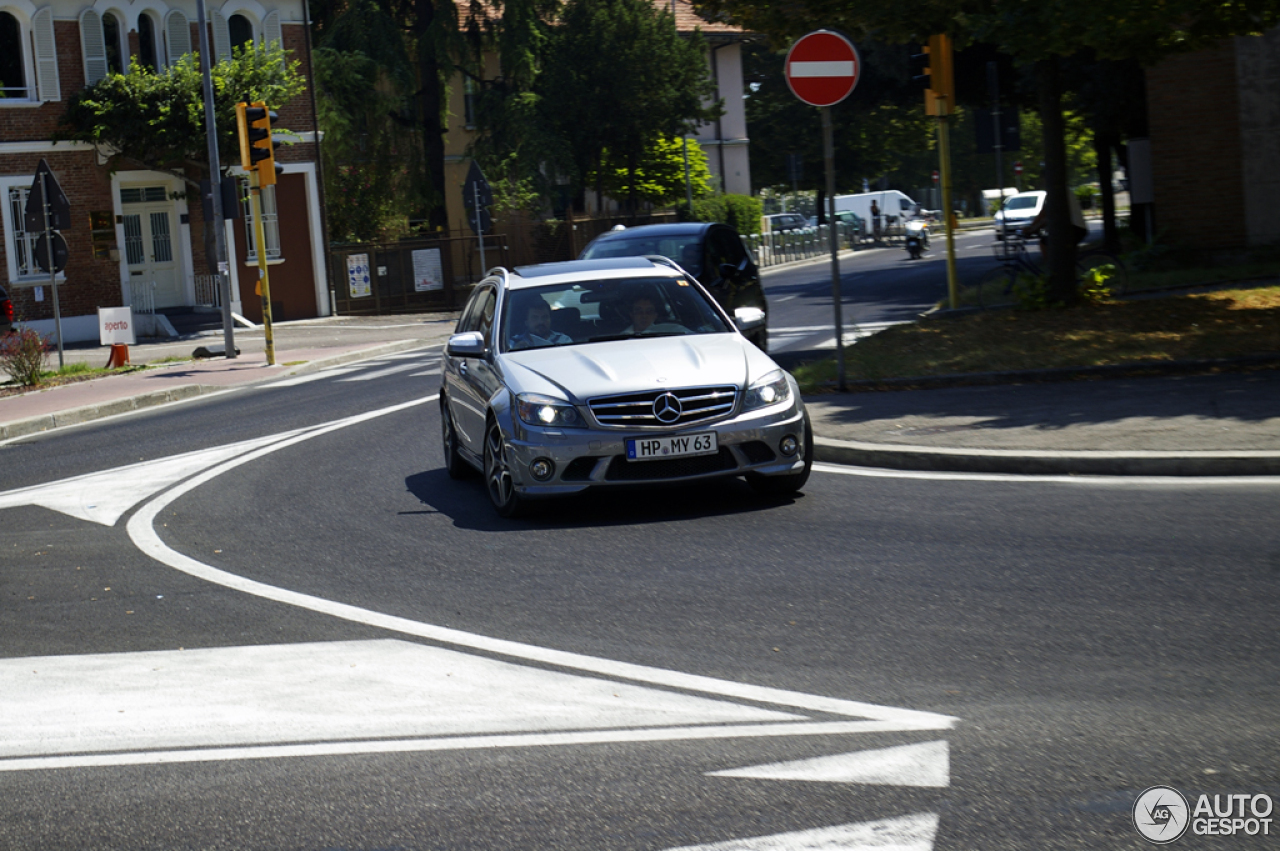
(787, 246)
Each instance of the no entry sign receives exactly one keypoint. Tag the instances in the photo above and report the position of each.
(822, 68)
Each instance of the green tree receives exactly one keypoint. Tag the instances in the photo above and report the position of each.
(370, 158)
(156, 120)
(617, 78)
(1040, 34)
(659, 177)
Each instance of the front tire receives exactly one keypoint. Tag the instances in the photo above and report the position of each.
(498, 479)
(793, 482)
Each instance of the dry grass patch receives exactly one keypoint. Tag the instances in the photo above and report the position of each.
(1226, 324)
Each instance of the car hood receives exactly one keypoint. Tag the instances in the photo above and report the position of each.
(582, 372)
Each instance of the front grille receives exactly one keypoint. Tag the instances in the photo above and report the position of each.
(636, 410)
(622, 470)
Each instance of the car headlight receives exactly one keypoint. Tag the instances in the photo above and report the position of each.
(547, 412)
(769, 390)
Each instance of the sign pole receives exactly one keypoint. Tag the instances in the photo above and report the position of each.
(822, 68)
(215, 187)
(53, 275)
(829, 161)
(475, 188)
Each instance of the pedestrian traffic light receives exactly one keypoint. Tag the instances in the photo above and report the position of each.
(257, 148)
(940, 93)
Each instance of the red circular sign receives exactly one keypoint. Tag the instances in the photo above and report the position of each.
(1017, 167)
(822, 68)
(935, 175)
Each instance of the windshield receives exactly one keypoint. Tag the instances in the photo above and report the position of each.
(685, 249)
(1022, 202)
(595, 311)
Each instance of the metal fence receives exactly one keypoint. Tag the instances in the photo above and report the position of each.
(409, 276)
(208, 291)
(787, 246)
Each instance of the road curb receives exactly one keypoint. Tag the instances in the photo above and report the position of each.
(1046, 462)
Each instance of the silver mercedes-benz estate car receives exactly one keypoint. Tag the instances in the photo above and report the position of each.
(597, 373)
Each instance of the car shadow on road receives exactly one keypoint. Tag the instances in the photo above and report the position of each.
(467, 505)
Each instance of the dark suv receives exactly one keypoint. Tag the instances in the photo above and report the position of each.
(6, 312)
(712, 253)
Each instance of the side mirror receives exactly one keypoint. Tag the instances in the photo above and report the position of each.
(748, 318)
(466, 345)
(728, 271)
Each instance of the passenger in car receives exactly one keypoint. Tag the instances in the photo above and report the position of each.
(537, 328)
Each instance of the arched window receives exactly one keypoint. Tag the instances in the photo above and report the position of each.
(13, 79)
(147, 51)
(111, 36)
(241, 29)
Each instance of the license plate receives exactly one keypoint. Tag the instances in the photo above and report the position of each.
(657, 448)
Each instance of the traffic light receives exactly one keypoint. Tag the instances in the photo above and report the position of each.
(257, 148)
(940, 92)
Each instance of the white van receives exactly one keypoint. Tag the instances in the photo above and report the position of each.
(891, 203)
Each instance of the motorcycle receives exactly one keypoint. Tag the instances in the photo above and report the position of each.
(917, 237)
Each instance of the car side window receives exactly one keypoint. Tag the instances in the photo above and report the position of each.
(478, 315)
(724, 248)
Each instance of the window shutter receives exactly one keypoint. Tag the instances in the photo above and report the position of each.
(46, 55)
(221, 36)
(271, 29)
(94, 45)
(178, 35)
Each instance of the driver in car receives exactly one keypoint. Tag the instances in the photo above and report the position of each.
(537, 328)
(644, 315)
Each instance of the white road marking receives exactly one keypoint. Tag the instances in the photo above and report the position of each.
(311, 376)
(103, 497)
(379, 373)
(924, 764)
(326, 691)
(906, 833)
(1111, 481)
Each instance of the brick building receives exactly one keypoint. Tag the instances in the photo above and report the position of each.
(138, 235)
(1215, 141)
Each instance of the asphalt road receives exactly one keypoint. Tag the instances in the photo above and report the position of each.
(878, 286)
(273, 622)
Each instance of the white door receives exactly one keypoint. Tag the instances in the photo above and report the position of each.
(148, 248)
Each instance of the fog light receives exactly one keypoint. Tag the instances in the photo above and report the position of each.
(789, 445)
(542, 469)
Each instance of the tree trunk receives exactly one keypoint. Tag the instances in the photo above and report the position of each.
(1061, 265)
(1103, 142)
(430, 105)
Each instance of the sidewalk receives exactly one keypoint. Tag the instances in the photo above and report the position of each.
(1227, 424)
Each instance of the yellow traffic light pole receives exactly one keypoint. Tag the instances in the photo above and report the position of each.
(939, 101)
(258, 158)
(264, 279)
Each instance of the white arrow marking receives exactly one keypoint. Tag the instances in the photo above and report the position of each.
(103, 497)
(925, 764)
(907, 833)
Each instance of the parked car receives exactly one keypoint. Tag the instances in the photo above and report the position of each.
(6, 312)
(712, 253)
(1019, 210)
(779, 222)
(613, 372)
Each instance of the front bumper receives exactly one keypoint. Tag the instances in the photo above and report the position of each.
(589, 458)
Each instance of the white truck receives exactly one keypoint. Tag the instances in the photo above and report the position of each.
(890, 201)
